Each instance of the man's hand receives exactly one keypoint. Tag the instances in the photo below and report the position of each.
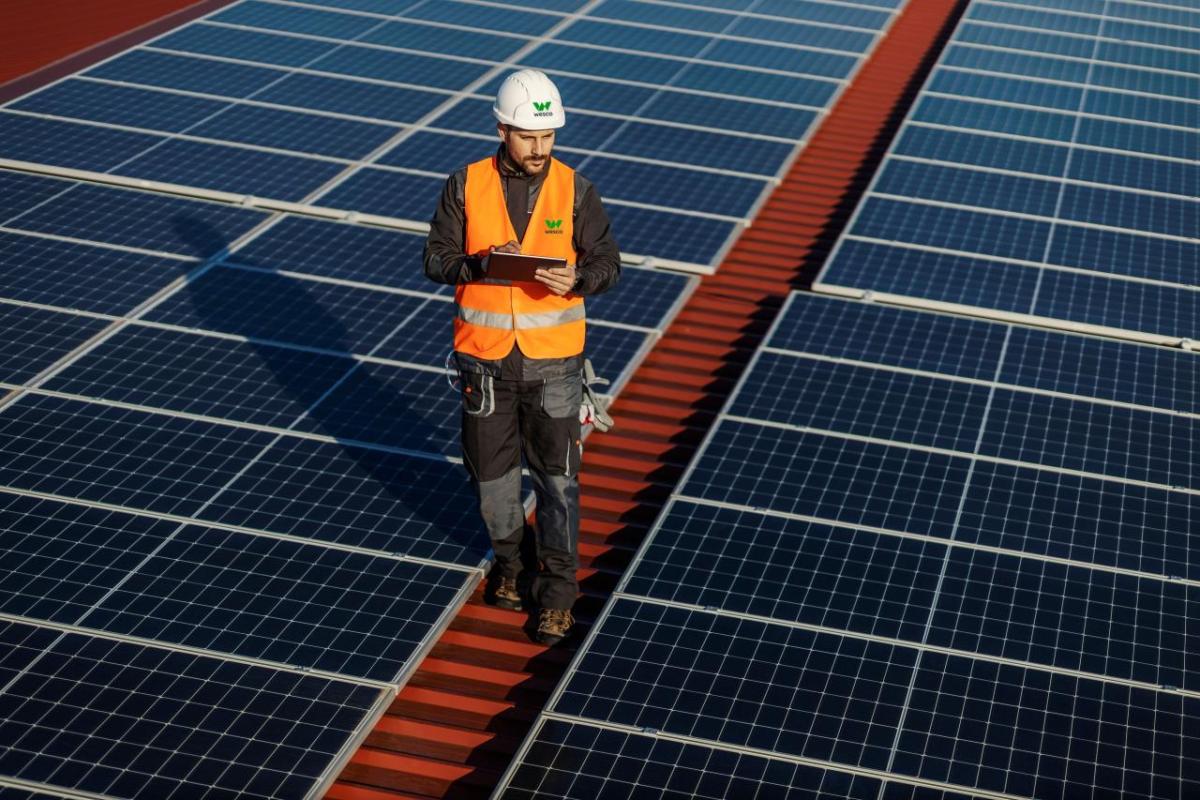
(559, 280)
(511, 246)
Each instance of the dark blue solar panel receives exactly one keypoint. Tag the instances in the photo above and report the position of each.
(584, 762)
(1168, 310)
(217, 377)
(705, 148)
(338, 250)
(641, 297)
(1153, 34)
(765, 86)
(340, 493)
(1139, 212)
(127, 720)
(373, 6)
(1069, 617)
(1141, 107)
(791, 123)
(669, 187)
(297, 604)
(646, 40)
(889, 335)
(20, 645)
(1034, 41)
(386, 193)
(1144, 81)
(866, 402)
(751, 563)
(392, 103)
(1136, 172)
(365, 62)
(290, 130)
(842, 480)
(449, 41)
(677, 237)
(1066, 23)
(142, 219)
(988, 117)
(1139, 138)
(264, 48)
(969, 187)
(31, 339)
(768, 56)
(69, 144)
(269, 306)
(392, 406)
(1124, 253)
(1016, 64)
(114, 455)
(79, 276)
(485, 18)
(957, 229)
(919, 273)
(612, 350)
(233, 169)
(1038, 734)
(437, 152)
(175, 71)
(120, 105)
(1085, 519)
(1184, 61)
(296, 20)
(822, 12)
(741, 682)
(62, 558)
(1011, 90)
(982, 150)
(20, 192)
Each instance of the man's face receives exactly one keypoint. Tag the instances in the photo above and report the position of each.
(530, 150)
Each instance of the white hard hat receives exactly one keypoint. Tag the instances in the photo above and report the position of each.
(529, 100)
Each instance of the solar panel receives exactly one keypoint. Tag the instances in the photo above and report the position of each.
(1041, 132)
(953, 551)
(231, 472)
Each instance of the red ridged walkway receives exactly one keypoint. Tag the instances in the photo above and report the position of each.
(452, 730)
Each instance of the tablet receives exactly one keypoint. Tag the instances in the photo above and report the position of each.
(518, 266)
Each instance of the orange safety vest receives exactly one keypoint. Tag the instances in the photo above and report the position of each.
(491, 313)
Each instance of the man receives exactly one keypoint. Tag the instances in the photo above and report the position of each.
(519, 345)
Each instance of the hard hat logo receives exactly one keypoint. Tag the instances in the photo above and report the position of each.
(516, 104)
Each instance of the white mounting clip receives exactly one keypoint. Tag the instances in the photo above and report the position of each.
(1189, 344)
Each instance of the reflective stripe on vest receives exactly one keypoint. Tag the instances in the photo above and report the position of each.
(492, 315)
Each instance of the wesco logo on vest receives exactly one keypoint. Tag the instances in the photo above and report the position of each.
(542, 109)
(554, 226)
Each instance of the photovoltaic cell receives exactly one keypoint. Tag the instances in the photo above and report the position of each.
(448, 41)
(391, 65)
(31, 339)
(22, 645)
(676, 237)
(302, 133)
(641, 297)
(296, 20)
(178, 71)
(245, 45)
(120, 105)
(387, 193)
(345, 96)
(68, 144)
(142, 722)
(20, 192)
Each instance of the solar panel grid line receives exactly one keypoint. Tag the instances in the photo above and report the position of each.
(755, 15)
(1067, 34)
(1149, 125)
(46, 791)
(100, 633)
(996, 48)
(124, 248)
(1069, 12)
(769, 755)
(1045, 81)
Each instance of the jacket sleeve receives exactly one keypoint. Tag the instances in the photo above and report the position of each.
(599, 260)
(444, 259)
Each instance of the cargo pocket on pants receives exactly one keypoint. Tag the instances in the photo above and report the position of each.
(478, 394)
(562, 396)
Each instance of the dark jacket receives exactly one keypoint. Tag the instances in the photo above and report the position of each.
(598, 265)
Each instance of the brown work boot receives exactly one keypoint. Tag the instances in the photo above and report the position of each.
(554, 625)
(505, 594)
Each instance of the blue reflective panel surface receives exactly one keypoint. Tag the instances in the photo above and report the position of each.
(670, 187)
(264, 48)
(745, 117)
(856, 581)
(1028, 18)
(69, 144)
(141, 219)
(114, 455)
(1141, 107)
(762, 54)
(337, 250)
(216, 377)
(1169, 310)
(983, 150)
(231, 727)
(1185, 61)
(450, 41)
(1153, 34)
(937, 276)
(488, 18)
(641, 297)
(291, 130)
(957, 229)
(20, 192)
(22, 645)
(388, 65)
(233, 169)
(295, 19)
(704, 148)
(120, 105)
(861, 401)
(1139, 138)
(176, 71)
(373, 6)
(387, 193)
(1069, 617)
(741, 682)
(888, 335)
(969, 187)
(344, 96)
(1145, 81)
(985, 725)
(1124, 253)
(351, 495)
(31, 339)
(61, 559)
(82, 277)
(1010, 90)
(1135, 172)
(1016, 64)
(612, 350)
(435, 152)
(282, 601)
(1026, 39)
(392, 406)
(574, 761)
(274, 307)
(988, 117)
(1138, 212)
(677, 237)
(842, 480)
